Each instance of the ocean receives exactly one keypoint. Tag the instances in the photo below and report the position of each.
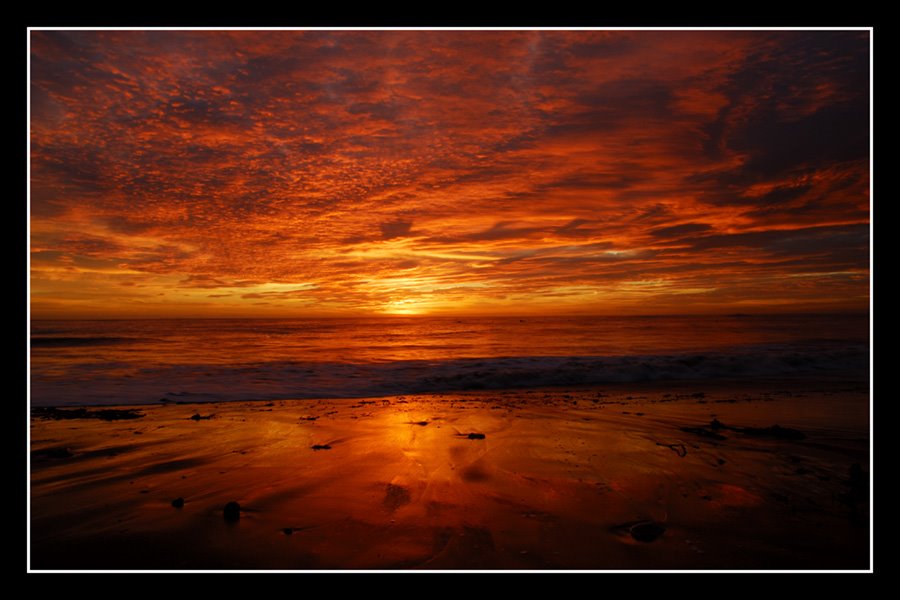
(212, 360)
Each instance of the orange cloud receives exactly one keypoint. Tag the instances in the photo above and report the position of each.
(324, 172)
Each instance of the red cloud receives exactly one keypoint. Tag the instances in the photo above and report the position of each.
(450, 168)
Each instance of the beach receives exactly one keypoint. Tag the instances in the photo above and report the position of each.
(684, 475)
(414, 299)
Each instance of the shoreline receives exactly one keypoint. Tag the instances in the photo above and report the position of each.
(563, 479)
(800, 381)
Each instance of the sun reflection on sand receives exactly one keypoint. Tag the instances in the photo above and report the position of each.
(559, 480)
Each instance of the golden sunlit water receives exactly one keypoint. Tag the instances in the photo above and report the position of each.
(145, 361)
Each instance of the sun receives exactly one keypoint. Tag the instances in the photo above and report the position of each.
(404, 306)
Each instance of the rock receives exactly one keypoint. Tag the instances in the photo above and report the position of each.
(703, 432)
(476, 436)
(232, 511)
(58, 452)
(288, 531)
(198, 416)
(106, 414)
(321, 447)
(647, 531)
(178, 502)
(775, 431)
(679, 449)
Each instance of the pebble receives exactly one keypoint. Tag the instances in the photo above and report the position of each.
(232, 511)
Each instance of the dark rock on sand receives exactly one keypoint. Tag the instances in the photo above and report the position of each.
(475, 436)
(642, 531)
(288, 531)
(321, 447)
(646, 531)
(59, 452)
(704, 433)
(679, 449)
(198, 416)
(232, 511)
(106, 414)
(178, 502)
(775, 431)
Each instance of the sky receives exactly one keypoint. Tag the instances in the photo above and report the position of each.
(345, 173)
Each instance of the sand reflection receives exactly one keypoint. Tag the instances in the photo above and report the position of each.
(583, 480)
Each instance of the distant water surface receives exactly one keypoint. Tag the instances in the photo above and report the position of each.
(140, 361)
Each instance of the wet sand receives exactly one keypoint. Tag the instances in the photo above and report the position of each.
(630, 477)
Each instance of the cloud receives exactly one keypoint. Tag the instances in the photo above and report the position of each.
(676, 231)
(395, 229)
(502, 230)
(209, 282)
(528, 161)
(794, 242)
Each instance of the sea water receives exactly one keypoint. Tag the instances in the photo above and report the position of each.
(209, 360)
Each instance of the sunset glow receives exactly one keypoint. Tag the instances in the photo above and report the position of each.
(318, 173)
